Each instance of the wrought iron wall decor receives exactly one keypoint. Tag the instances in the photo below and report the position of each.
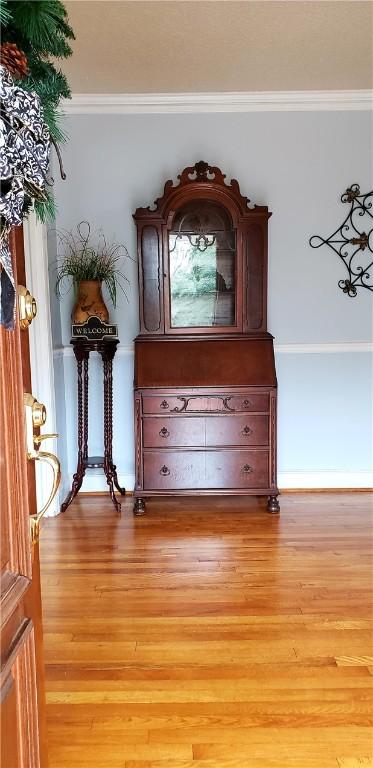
(353, 241)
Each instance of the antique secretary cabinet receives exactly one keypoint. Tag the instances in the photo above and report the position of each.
(205, 379)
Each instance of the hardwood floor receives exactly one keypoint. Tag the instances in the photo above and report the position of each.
(210, 634)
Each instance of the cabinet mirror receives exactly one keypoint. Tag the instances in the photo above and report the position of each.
(202, 267)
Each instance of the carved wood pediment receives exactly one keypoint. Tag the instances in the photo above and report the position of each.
(200, 174)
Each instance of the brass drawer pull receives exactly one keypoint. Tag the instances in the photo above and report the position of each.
(164, 432)
(247, 469)
(164, 404)
(186, 400)
(246, 403)
(247, 431)
(164, 471)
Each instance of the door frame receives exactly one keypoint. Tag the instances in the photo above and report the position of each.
(41, 342)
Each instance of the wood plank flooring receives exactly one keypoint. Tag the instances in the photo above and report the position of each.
(209, 634)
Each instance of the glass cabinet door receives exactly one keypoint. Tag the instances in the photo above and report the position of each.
(202, 267)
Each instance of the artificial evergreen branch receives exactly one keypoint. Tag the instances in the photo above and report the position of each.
(43, 26)
(41, 30)
(46, 211)
(5, 14)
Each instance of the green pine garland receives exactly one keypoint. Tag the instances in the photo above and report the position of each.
(4, 14)
(41, 30)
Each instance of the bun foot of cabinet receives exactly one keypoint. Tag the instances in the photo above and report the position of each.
(273, 505)
(139, 507)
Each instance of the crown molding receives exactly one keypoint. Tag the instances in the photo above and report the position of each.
(251, 101)
(348, 347)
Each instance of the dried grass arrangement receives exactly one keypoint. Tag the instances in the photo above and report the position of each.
(81, 260)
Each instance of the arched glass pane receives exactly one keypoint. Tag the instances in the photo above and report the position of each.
(202, 262)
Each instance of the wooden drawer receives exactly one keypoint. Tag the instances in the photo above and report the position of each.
(167, 470)
(250, 402)
(225, 403)
(205, 469)
(209, 431)
(237, 469)
(237, 430)
(174, 432)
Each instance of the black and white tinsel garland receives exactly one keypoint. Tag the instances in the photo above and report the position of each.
(24, 161)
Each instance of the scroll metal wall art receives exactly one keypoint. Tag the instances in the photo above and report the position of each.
(353, 241)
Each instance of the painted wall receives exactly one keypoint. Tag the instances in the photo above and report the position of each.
(298, 163)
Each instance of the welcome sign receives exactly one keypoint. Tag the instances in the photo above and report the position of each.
(94, 330)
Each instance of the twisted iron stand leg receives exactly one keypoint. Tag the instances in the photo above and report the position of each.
(113, 468)
(82, 431)
(109, 469)
(85, 410)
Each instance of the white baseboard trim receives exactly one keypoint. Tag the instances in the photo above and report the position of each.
(234, 101)
(345, 347)
(332, 478)
(296, 480)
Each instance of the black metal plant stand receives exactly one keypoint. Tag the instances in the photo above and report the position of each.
(82, 349)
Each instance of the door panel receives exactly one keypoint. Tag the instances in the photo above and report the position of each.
(9, 745)
(22, 692)
(20, 742)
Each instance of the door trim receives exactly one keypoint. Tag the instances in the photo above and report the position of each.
(41, 344)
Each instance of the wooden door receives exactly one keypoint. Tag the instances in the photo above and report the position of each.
(23, 733)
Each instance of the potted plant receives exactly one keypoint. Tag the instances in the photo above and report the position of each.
(85, 267)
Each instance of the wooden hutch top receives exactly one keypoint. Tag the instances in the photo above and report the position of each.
(202, 252)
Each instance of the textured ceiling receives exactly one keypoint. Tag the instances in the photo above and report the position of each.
(219, 45)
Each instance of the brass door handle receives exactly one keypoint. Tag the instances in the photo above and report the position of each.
(35, 417)
(27, 307)
(39, 438)
(53, 462)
